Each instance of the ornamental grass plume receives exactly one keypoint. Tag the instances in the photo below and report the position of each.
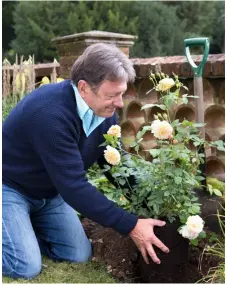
(46, 80)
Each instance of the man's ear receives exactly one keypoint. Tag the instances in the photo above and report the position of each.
(82, 88)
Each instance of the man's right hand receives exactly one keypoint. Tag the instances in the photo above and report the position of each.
(144, 238)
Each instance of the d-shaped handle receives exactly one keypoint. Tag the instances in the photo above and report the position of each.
(198, 70)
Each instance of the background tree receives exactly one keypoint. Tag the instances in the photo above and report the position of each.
(204, 19)
(160, 31)
(7, 26)
(218, 33)
(36, 23)
(161, 27)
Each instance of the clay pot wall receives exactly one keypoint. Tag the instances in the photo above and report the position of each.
(214, 101)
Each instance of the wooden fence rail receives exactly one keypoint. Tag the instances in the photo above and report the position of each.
(21, 78)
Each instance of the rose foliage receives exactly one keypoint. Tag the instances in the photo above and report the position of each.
(164, 187)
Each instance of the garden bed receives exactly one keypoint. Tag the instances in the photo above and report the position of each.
(121, 257)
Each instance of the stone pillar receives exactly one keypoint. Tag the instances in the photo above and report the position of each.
(72, 46)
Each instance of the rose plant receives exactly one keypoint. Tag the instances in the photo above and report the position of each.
(164, 187)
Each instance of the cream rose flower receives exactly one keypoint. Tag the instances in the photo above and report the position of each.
(115, 130)
(112, 155)
(161, 129)
(165, 84)
(193, 227)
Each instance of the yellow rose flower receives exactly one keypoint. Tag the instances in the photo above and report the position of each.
(165, 84)
(112, 155)
(161, 129)
(115, 130)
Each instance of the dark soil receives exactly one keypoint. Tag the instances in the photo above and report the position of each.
(122, 259)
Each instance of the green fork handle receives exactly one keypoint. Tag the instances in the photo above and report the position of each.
(197, 70)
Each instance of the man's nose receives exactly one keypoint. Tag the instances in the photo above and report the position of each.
(119, 103)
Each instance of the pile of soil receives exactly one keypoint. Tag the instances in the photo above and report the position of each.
(121, 257)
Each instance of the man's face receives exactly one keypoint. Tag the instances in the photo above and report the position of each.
(106, 99)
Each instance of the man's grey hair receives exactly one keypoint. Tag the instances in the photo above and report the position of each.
(101, 62)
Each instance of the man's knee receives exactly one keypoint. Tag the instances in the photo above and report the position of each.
(84, 255)
(78, 254)
(21, 268)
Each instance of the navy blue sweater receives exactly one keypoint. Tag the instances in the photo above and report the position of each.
(45, 152)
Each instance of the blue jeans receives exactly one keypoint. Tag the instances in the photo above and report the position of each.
(33, 227)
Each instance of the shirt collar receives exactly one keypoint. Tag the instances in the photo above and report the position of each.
(89, 120)
(82, 106)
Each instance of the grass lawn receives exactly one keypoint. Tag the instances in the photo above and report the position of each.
(66, 272)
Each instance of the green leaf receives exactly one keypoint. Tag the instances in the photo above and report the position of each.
(199, 178)
(175, 123)
(192, 96)
(107, 167)
(103, 144)
(140, 134)
(154, 152)
(213, 237)
(156, 208)
(133, 144)
(217, 192)
(221, 148)
(137, 148)
(163, 107)
(109, 139)
(196, 143)
(185, 87)
(147, 128)
(186, 123)
(178, 179)
(202, 235)
(185, 100)
(150, 203)
(195, 209)
(198, 125)
(194, 242)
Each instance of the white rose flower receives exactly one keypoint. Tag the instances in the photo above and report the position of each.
(115, 130)
(193, 227)
(112, 155)
(161, 129)
(165, 84)
(156, 122)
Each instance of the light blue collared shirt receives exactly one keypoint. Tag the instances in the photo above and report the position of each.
(89, 119)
